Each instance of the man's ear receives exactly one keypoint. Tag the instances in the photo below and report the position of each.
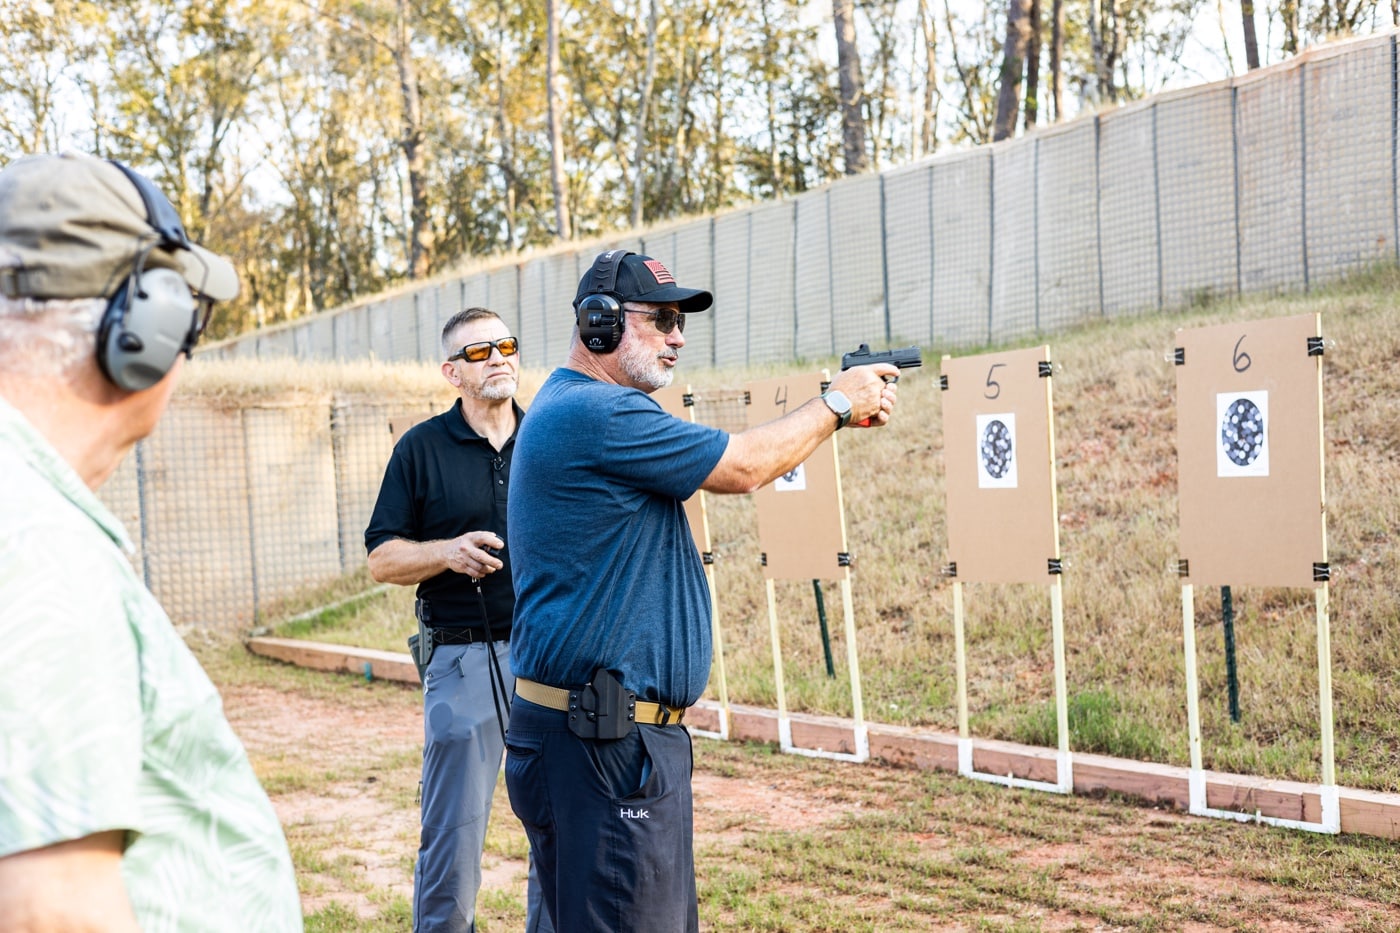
(449, 372)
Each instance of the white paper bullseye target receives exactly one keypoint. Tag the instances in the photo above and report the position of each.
(794, 480)
(1244, 440)
(996, 451)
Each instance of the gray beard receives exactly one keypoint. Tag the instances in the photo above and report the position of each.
(497, 389)
(643, 367)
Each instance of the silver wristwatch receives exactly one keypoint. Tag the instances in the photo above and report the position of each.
(840, 406)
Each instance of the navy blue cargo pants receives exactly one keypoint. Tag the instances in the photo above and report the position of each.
(609, 821)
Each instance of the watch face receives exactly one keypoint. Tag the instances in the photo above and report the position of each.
(840, 406)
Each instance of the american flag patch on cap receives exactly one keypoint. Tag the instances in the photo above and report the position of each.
(663, 275)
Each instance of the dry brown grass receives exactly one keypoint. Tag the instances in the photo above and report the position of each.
(209, 378)
(1116, 472)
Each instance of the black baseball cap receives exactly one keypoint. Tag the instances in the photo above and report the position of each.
(640, 278)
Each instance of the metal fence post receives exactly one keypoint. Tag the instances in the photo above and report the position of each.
(1157, 200)
(141, 508)
(796, 310)
(992, 236)
(1035, 229)
(1235, 149)
(885, 259)
(252, 526)
(714, 271)
(1303, 174)
(932, 259)
(338, 469)
(1394, 142)
(1098, 207)
(748, 288)
(830, 275)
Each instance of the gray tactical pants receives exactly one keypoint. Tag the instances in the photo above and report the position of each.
(461, 760)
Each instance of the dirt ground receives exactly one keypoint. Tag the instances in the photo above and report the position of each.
(377, 831)
(343, 776)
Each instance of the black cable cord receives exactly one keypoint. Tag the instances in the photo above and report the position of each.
(493, 669)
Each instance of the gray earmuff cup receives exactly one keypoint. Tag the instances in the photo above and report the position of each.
(142, 346)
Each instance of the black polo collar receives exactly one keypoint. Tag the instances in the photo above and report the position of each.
(463, 433)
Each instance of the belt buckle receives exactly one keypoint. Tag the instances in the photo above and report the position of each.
(463, 636)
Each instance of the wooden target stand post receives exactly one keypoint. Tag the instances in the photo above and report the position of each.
(802, 536)
(1003, 525)
(1253, 502)
(681, 403)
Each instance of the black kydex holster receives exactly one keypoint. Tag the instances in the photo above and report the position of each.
(420, 646)
(601, 708)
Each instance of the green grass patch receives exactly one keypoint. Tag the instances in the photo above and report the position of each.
(1098, 723)
(379, 617)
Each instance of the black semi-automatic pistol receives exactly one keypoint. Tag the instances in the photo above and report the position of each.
(903, 357)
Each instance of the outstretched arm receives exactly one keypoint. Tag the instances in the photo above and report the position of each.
(763, 453)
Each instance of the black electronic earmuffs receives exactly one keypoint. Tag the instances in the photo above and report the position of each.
(600, 315)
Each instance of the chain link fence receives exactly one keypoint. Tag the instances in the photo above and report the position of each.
(236, 506)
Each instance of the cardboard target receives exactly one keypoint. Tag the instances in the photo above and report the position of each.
(998, 451)
(400, 422)
(801, 528)
(1249, 448)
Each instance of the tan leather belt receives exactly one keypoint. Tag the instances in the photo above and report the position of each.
(654, 714)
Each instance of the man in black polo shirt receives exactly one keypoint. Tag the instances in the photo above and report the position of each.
(440, 523)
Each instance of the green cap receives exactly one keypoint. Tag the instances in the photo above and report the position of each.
(74, 226)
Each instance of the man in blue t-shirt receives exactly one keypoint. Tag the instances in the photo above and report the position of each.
(612, 615)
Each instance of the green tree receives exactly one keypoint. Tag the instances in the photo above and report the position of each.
(40, 42)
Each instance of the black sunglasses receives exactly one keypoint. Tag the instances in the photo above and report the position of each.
(666, 320)
(479, 352)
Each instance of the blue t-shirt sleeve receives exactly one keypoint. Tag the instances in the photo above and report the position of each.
(653, 450)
